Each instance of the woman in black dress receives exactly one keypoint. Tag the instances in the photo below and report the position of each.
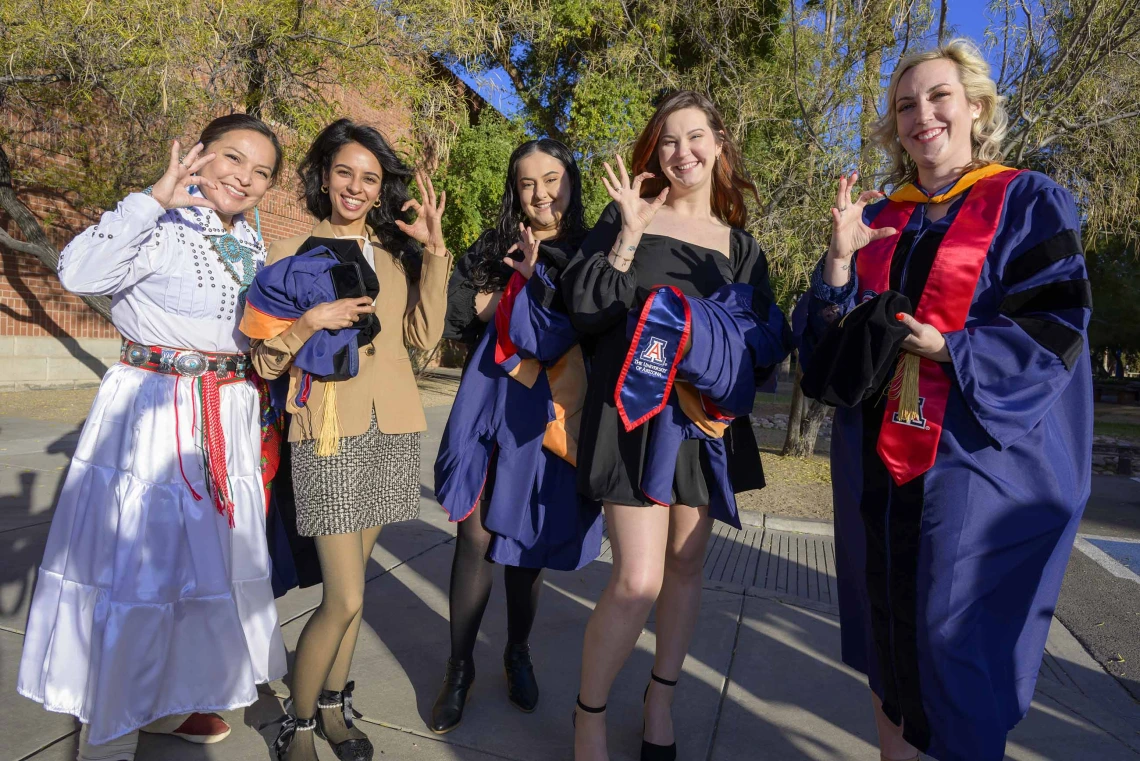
(678, 222)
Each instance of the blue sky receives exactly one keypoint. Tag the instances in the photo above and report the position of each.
(966, 17)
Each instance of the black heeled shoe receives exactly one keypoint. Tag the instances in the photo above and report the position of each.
(584, 707)
(522, 688)
(290, 727)
(354, 748)
(650, 751)
(447, 711)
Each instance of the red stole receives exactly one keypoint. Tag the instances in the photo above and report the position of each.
(908, 449)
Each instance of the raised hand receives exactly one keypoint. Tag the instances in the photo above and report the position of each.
(848, 231)
(636, 212)
(428, 225)
(528, 245)
(170, 190)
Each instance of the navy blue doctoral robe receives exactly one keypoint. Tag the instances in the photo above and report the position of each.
(947, 584)
(493, 441)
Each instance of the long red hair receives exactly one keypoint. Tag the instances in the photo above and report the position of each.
(729, 180)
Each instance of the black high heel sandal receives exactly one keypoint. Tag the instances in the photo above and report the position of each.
(650, 751)
(582, 706)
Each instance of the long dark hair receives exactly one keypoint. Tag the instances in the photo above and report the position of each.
(393, 187)
(488, 273)
(729, 179)
(234, 122)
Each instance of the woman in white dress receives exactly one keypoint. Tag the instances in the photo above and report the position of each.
(153, 605)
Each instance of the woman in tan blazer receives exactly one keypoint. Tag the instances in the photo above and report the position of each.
(368, 475)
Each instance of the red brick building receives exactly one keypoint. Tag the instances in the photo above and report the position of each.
(49, 337)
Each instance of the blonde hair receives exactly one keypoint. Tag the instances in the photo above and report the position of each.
(987, 131)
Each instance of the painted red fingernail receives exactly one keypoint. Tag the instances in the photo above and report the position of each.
(899, 316)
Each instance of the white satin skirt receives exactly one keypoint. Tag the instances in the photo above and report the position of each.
(147, 602)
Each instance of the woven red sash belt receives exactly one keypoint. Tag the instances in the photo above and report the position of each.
(205, 373)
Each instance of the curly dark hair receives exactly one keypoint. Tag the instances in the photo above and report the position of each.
(314, 168)
(488, 273)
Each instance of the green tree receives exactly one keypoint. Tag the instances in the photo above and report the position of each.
(801, 83)
(1115, 280)
(473, 177)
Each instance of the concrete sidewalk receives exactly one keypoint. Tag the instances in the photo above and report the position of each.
(763, 681)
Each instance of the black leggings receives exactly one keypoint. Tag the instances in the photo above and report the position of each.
(471, 589)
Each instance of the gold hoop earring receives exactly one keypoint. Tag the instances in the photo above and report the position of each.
(324, 188)
(378, 204)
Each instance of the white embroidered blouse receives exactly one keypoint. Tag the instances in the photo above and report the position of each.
(169, 285)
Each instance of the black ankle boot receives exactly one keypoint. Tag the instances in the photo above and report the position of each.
(292, 732)
(448, 709)
(522, 689)
(347, 742)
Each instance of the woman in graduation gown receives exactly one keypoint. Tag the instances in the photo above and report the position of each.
(958, 491)
(679, 222)
(505, 468)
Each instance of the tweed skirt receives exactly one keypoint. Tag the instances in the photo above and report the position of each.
(374, 479)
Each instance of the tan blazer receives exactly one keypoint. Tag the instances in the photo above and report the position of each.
(408, 312)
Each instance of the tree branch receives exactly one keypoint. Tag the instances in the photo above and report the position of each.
(36, 243)
(545, 119)
(796, 76)
(20, 246)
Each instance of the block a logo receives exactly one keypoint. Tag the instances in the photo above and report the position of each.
(655, 352)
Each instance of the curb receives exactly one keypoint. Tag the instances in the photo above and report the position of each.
(785, 523)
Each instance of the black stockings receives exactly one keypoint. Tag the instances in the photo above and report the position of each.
(471, 575)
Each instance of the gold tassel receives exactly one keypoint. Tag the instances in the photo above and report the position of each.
(328, 440)
(904, 386)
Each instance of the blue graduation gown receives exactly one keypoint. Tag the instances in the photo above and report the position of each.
(736, 335)
(493, 441)
(947, 584)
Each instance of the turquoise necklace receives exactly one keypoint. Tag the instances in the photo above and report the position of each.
(230, 252)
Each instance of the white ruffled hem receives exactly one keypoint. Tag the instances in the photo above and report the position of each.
(144, 661)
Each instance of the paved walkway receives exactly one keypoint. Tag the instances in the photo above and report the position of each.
(764, 679)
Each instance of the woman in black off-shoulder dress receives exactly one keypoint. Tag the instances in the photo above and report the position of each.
(678, 222)
(609, 459)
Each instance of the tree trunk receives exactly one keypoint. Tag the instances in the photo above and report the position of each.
(804, 421)
(795, 414)
(37, 243)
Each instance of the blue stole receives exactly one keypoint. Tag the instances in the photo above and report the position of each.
(650, 367)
